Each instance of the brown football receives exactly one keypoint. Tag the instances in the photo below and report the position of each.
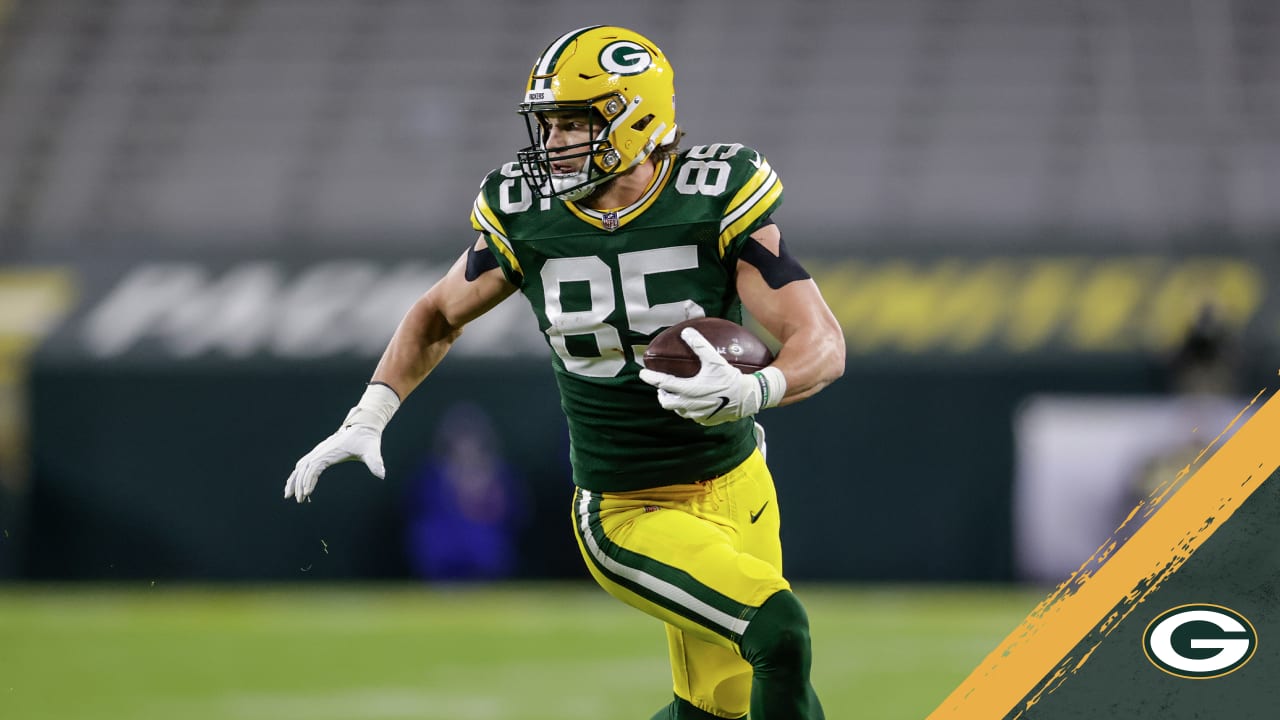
(668, 353)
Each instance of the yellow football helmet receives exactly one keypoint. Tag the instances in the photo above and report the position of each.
(623, 82)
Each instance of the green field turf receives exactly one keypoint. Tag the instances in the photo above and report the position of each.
(369, 652)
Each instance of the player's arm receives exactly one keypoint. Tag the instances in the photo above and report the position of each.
(470, 288)
(782, 297)
(432, 324)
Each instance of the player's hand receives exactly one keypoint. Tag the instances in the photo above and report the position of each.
(359, 438)
(351, 442)
(719, 393)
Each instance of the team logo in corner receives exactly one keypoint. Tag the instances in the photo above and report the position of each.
(624, 57)
(1199, 641)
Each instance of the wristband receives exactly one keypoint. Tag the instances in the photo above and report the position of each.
(375, 408)
(773, 386)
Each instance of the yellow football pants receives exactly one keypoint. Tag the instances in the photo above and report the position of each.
(702, 558)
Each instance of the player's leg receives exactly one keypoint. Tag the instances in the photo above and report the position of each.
(705, 559)
(777, 645)
(681, 709)
(745, 501)
(655, 555)
(777, 642)
(708, 673)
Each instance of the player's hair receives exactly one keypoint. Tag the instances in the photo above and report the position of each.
(671, 149)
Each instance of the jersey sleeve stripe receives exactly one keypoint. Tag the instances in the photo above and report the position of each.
(748, 194)
(761, 193)
(483, 219)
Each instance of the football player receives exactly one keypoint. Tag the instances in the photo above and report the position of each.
(612, 233)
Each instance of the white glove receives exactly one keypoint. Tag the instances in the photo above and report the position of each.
(359, 438)
(719, 393)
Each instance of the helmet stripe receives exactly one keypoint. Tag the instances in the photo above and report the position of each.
(547, 61)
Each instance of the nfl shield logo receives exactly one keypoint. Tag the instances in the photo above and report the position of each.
(610, 221)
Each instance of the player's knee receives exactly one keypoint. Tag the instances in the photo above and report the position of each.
(778, 637)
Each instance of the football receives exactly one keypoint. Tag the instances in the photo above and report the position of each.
(668, 353)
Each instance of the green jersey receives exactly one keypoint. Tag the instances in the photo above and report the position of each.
(603, 283)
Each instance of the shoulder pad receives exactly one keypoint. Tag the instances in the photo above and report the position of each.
(746, 186)
(502, 194)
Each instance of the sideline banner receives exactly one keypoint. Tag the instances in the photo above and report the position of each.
(1178, 620)
(936, 308)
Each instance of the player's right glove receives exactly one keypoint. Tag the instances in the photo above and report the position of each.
(359, 438)
(719, 393)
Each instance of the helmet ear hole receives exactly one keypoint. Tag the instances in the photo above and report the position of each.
(642, 123)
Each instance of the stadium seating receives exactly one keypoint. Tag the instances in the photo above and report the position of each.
(172, 126)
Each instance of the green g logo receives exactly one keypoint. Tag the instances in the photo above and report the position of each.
(625, 58)
(1199, 641)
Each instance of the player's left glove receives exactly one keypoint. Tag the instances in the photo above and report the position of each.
(358, 438)
(719, 393)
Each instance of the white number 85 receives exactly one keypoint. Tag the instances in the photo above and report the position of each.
(642, 317)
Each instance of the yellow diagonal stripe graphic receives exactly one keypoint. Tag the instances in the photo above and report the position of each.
(1036, 657)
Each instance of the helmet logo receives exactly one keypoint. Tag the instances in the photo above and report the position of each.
(624, 57)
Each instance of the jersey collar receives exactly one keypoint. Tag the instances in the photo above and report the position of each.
(611, 220)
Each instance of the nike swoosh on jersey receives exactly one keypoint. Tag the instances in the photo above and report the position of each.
(756, 515)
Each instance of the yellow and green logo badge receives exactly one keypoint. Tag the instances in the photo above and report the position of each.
(1199, 641)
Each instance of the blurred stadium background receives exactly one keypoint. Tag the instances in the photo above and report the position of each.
(1050, 231)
